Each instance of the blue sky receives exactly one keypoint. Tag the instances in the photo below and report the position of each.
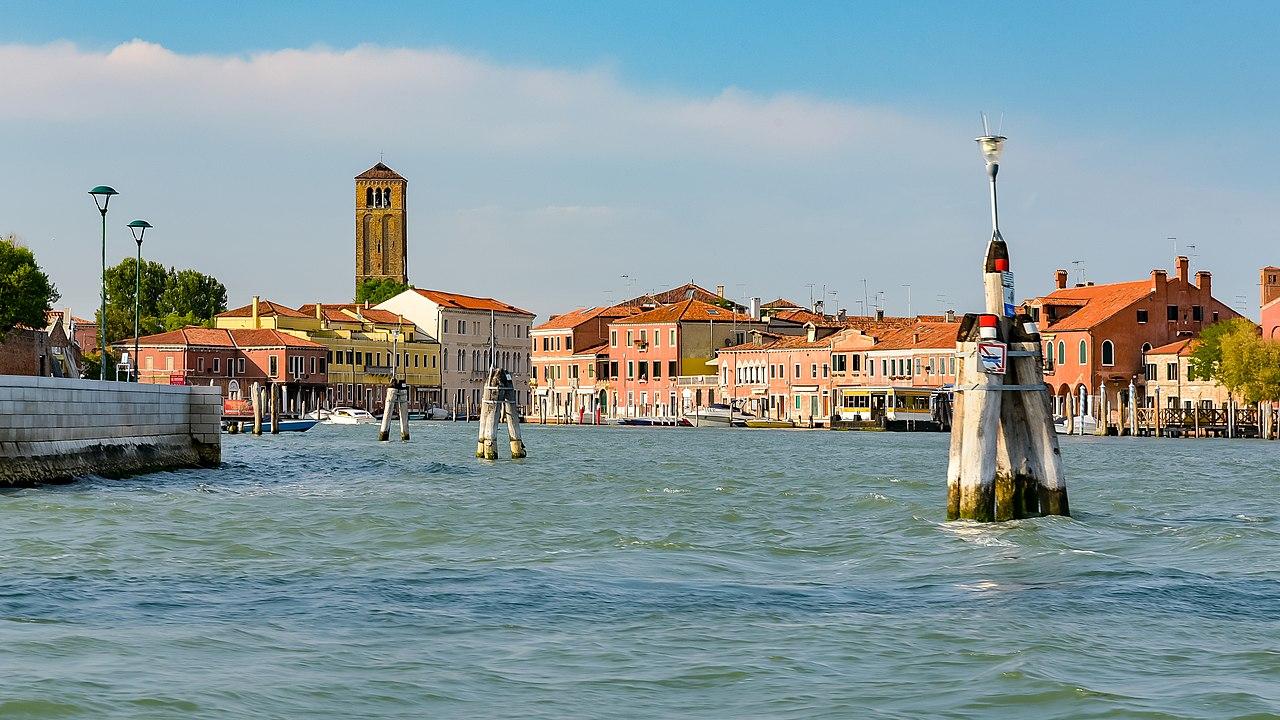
(764, 146)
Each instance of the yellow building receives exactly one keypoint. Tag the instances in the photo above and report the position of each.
(366, 348)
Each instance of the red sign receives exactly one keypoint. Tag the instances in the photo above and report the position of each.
(177, 379)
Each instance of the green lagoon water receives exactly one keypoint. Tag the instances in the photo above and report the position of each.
(649, 573)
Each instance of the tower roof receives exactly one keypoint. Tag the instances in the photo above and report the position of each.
(380, 172)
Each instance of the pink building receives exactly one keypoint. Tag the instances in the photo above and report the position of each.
(1271, 302)
(655, 355)
(570, 359)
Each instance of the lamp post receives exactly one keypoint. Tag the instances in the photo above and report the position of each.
(139, 229)
(992, 146)
(102, 197)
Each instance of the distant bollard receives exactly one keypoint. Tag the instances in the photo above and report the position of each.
(498, 398)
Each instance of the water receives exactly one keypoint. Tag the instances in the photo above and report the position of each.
(631, 572)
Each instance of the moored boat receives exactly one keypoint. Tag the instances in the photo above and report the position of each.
(294, 425)
(655, 422)
(766, 423)
(720, 415)
(350, 416)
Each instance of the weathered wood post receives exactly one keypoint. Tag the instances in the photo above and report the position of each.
(1004, 460)
(402, 397)
(275, 409)
(513, 416)
(388, 409)
(486, 447)
(255, 394)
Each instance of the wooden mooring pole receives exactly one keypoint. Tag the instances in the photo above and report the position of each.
(255, 394)
(1004, 461)
(499, 398)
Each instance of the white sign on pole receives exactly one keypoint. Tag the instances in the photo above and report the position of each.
(1006, 282)
(993, 357)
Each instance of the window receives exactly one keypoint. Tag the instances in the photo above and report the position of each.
(771, 372)
(217, 365)
(1171, 371)
(657, 370)
(1142, 316)
(462, 327)
(644, 337)
(1062, 353)
(631, 370)
(312, 365)
(673, 338)
(824, 370)
(1172, 313)
(613, 369)
(274, 364)
(568, 342)
(1084, 354)
(1197, 313)
(644, 370)
(797, 370)
(838, 363)
(953, 365)
(671, 368)
(657, 338)
(1150, 373)
(359, 357)
(199, 364)
(1108, 353)
(573, 372)
(629, 339)
(613, 338)
(1215, 316)
(815, 369)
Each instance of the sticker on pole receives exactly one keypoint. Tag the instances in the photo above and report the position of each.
(993, 357)
(1006, 282)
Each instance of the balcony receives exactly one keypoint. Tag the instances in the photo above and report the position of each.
(378, 370)
(698, 380)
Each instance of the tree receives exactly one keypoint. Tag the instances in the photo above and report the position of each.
(170, 299)
(25, 291)
(1233, 354)
(374, 290)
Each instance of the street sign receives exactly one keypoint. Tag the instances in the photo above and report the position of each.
(993, 357)
(177, 379)
(1006, 282)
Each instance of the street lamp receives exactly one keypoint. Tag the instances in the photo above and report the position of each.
(102, 197)
(139, 229)
(991, 147)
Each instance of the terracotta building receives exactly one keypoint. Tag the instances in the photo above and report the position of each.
(655, 355)
(1270, 284)
(1099, 335)
(570, 358)
(234, 359)
(382, 243)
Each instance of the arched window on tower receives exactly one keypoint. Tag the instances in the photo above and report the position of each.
(386, 197)
(368, 197)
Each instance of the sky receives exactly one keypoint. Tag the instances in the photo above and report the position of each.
(577, 153)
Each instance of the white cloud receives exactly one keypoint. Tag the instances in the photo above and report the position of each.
(571, 174)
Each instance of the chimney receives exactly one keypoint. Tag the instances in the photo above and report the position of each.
(1204, 281)
(915, 338)
(255, 312)
(842, 315)
(755, 308)
(720, 290)
(1184, 268)
(1060, 279)
(950, 316)
(879, 314)
(1270, 282)
(811, 331)
(1159, 285)
(319, 312)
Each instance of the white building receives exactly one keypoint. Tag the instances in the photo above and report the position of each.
(462, 324)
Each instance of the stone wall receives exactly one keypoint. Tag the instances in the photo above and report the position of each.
(54, 429)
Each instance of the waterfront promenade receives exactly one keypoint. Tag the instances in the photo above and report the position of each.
(632, 572)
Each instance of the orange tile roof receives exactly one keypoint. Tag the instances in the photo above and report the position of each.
(600, 349)
(222, 337)
(779, 304)
(469, 302)
(1100, 302)
(379, 172)
(1181, 346)
(687, 311)
(265, 307)
(341, 312)
(578, 316)
(920, 336)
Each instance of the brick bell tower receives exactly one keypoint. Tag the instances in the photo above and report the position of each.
(382, 246)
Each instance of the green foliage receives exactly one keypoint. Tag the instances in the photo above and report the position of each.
(375, 291)
(170, 299)
(90, 364)
(1232, 354)
(25, 291)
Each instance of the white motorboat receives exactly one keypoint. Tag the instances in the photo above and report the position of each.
(1089, 423)
(720, 415)
(349, 416)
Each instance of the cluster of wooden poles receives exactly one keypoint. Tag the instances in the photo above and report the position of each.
(499, 400)
(1004, 461)
(266, 400)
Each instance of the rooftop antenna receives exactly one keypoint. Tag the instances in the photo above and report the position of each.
(1174, 240)
(493, 343)
(1079, 269)
(986, 128)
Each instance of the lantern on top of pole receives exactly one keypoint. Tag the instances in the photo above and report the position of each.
(1004, 461)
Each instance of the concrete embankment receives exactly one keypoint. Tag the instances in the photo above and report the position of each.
(53, 429)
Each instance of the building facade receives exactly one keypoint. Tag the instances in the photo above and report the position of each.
(1270, 305)
(1169, 383)
(365, 349)
(1096, 337)
(570, 364)
(382, 240)
(464, 326)
(233, 360)
(655, 355)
